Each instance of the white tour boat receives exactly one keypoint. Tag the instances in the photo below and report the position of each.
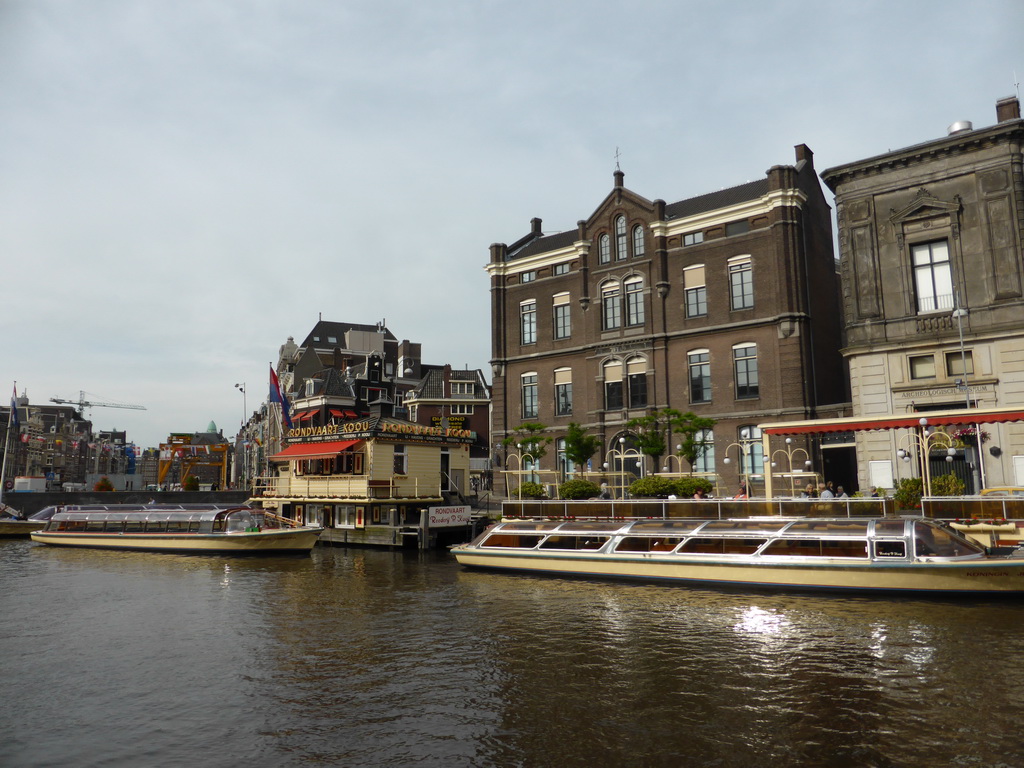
(884, 554)
(200, 529)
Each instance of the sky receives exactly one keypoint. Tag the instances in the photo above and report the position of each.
(184, 185)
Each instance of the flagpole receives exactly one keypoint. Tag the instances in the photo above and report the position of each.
(11, 419)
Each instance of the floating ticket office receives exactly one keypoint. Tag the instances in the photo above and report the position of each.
(374, 480)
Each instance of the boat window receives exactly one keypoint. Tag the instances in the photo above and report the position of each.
(218, 526)
(573, 525)
(675, 526)
(193, 526)
(574, 542)
(817, 548)
(134, 526)
(156, 526)
(114, 526)
(721, 545)
(930, 540)
(889, 527)
(744, 525)
(529, 525)
(843, 527)
(94, 525)
(75, 525)
(887, 549)
(512, 540)
(648, 543)
(177, 526)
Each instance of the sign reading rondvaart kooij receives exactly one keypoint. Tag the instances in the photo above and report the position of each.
(442, 516)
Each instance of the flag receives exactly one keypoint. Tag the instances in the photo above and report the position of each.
(14, 408)
(277, 396)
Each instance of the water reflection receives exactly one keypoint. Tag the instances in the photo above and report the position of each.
(364, 657)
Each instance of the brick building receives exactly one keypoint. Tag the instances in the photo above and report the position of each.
(722, 304)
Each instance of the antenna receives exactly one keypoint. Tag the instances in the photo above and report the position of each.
(1016, 83)
(617, 154)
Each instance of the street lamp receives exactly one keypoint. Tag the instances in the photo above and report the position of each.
(789, 452)
(925, 441)
(744, 448)
(242, 436)
(619, 456)
(959, 314)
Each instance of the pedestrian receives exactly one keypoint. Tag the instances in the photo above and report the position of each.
(824, 492)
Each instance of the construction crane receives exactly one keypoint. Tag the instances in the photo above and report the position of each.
(82, 403)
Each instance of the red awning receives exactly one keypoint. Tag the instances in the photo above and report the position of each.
(337, 413)
(313, 450)
(963, 416)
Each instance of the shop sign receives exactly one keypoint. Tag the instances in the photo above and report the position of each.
(441, 517)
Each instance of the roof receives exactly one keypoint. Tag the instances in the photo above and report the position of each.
(692, 206)
(896, 421)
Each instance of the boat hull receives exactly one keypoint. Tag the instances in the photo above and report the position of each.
(284, 541)
(976, 576)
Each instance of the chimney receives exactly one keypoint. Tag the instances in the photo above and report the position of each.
(1008, 109)
(535, 228)
(619, 177)
(803, 153)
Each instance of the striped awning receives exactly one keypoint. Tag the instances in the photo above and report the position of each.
(314, 450)
(960, 416)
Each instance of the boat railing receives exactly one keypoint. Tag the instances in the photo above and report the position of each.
(702, 508)
(973, 507)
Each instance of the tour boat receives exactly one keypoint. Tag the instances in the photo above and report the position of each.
(883, 554)
(12, 524)
(200, 529)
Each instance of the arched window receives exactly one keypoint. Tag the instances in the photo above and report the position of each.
(563, 391)
(634, 300)
(620, 238)
(529, 395)
(604, 249)
(611, 305)
(638, 241)
(613, 385)
(744, 357)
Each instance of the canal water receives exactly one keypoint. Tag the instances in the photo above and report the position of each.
(356, 657)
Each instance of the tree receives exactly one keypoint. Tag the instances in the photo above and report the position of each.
(190, 483)
(690, 426)
(529, 438)
(650, 432)
(103, 485)
(579, 446)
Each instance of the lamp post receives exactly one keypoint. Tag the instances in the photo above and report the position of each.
(242, 435)
(743, 448)
(789, 452)
(979, 471)
(924, 440)
(619, 456)
(679, 462)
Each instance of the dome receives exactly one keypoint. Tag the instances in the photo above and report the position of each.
(212, 428)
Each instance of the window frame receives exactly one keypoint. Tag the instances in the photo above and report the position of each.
(621, 238)
(529, 400)
(639, 246)
(695, 290)
(528, 322)
(611, 305)
(930, 269)
(563, 391)
(561, 311)
(604, 249)
(633, 296)
(705, 375)
(745, 368)
(741, 283)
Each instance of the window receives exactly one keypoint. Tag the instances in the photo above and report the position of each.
(700, 375)
(745, 362)
(932, 277)
(734, 228)
(696, 291)
(741, 283)
(604, 249)
(634, 301)
(528, 321)
(560, 269)
(529, 387)
(563, 391)
(955, 363)
(638, 240)
(461, 409)
(527, 277)
(705, 459)
(611, 306)
(563, 462)
(693, 238)
(332, 339)
(636, 370)
(922, 367)
(753, 453)
(560, 312)
(462, 388)
(400, 465)
(613, 386)
(620, 238)
(414, 412)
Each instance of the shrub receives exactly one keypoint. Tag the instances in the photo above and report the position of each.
(103, 485)
(908, 493)
(687, 486)
(653, 487)
(948, 485)
(578, 488)
(529, 490)
(190, 483)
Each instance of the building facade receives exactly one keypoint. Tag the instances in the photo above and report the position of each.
(722, 304)
(933, 290)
